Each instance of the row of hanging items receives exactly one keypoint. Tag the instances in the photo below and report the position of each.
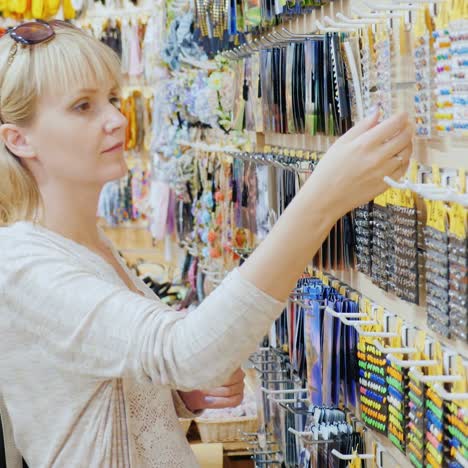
(326, 81)
(222, 205)
(446, 263)
(388, 241)
(301, 88)
(194, 277)
(135, 36)
(42, 9)
(391, 247)
(224, 211)
(126, 199)
(410, 388)
(289, 340)
(221, 25)
(321, 350)
(291, 170)
(448, 45)
(70, 9)
(293, 432)
(382, 239)
(137, 106)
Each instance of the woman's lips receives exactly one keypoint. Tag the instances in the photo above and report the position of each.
(116, 147)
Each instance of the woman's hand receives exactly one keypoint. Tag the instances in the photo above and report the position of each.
(355, 166)
(229, 395)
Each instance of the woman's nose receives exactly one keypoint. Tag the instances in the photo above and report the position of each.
(115, 121)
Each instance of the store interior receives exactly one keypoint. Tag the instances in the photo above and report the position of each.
(230, 106)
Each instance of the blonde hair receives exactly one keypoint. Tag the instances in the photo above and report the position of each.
(72, 59)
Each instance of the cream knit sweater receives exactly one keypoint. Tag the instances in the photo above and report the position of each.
(88, 367)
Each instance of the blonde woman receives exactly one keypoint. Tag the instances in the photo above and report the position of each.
(89, 358)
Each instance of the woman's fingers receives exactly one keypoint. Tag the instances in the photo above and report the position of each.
(384, 130)
(403, 160)
(229, 395)
(360, 128)
(220, 402)
(235, 378)
(397, 144)
(226, 392)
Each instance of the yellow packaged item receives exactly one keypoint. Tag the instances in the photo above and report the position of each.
(68, 10)
(38, 9)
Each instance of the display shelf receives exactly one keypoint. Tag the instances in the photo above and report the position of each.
(444, 152)
(414, 315)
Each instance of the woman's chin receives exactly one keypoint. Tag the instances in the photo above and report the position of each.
(117, 169)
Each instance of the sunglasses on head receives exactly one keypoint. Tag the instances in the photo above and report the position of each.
(36, 32)
(32, 33)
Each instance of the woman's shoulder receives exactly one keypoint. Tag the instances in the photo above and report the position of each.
(25, 239)
(25, 244)
(13, 235)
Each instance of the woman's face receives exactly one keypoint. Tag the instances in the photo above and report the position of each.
(79, 138)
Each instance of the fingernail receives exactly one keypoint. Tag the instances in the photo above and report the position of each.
(209, 400)
(372, 111)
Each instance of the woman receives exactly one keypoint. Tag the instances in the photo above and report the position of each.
(89, 357)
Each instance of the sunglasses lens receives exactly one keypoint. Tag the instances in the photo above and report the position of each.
(33, 32)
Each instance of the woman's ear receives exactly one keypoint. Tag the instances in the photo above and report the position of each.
(17, 141)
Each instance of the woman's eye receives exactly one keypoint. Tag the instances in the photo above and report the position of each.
(115, 101)
(83, 106)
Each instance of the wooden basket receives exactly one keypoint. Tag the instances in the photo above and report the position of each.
(225, 430)
(185, 423)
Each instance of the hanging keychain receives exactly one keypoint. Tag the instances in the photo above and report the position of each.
(423, 71)
(416, 408)
(397, 380)
(443, 84)
(458, 265)
(437, 273)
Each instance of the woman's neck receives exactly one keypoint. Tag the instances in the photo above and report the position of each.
(72, 213)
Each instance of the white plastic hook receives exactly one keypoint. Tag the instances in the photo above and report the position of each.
(412, 362)
(385, 350)
(388, 6)
(300, 434)
(343, 26)
(361, 456)
(344, 316)
(462, 199)
(361, 332)
(292, 391)
(287, 400)
(403, 185)
(420, 1)
(449, 396)
(304, 304)
(435, 193)
(323, 28)
(429, 191)
(359, 21)
(434, 378)
(371, 15)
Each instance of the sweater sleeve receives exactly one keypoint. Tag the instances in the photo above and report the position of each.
(86, 324)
